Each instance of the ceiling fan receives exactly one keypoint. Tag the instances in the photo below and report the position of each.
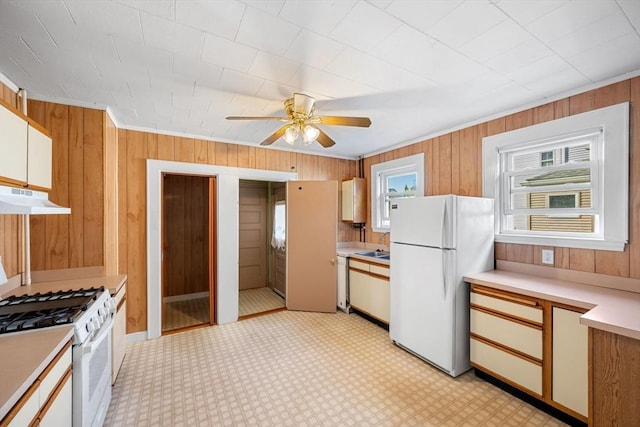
(300, 121)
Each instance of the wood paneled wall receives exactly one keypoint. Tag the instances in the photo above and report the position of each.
(76, 240)
(453, 164)
(133, 150)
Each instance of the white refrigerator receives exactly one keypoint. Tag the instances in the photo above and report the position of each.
(435, 241)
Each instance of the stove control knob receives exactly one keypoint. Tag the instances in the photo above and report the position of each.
(90, 328)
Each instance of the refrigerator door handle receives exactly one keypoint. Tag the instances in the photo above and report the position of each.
(444, 275)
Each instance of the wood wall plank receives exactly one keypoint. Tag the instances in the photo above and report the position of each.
(93, 159)
(110, 198)
(122, 202)
(76, 187)
(57, 226)
(136, 232)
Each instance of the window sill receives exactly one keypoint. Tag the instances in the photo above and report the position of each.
(563, 242)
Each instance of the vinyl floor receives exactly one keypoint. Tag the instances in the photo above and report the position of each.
(300, 369)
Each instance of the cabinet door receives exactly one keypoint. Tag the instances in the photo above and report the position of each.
(359, 292)
(13, 146)
(58, 411)
(39, 159)
(570, 386)
(379, 298)
(118, 339)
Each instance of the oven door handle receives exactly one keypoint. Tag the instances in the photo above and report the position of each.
(103, 332)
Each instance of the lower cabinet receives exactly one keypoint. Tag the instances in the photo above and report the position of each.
(119, 332)
(48, 401)
(570, 362)
(535, 345)
(369, 288)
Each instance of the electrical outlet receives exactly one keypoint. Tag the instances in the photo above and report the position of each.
(547, 256)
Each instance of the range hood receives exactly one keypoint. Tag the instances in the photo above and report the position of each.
(28, 202)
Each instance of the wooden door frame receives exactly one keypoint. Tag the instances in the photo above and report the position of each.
(211, 242)
(213, 265)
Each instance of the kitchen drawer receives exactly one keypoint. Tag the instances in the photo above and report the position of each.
(517, 336)
(358, 265)
(379, 269)
(520, 307)
(515, 369)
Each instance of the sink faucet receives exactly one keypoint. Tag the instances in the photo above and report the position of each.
(382, 236)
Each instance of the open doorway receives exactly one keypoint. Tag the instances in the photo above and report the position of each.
(257, 293)
(188, 243)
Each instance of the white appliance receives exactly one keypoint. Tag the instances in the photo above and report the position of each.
(435, 241)
(343, 283)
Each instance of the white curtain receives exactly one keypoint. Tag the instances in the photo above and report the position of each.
(279, 225)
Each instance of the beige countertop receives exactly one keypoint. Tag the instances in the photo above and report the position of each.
(110, 283)
(24, 357)
(609, 309)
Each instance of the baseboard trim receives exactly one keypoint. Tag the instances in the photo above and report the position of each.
(136, 337)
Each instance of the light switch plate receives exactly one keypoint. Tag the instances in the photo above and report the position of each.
(547, 256)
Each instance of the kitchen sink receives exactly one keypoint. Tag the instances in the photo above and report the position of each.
(376, 254)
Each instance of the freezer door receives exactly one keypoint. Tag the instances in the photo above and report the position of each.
(424, 221)
(421, 302)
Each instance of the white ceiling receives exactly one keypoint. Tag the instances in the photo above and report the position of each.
(416, 68)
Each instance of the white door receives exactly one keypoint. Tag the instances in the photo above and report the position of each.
(421, 302)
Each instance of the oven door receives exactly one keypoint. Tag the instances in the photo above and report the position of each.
(92, 378)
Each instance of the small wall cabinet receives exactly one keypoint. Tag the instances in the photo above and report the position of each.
(354, 200)
(13, 146)
(26, 149)
(369, 288)
(535, 345)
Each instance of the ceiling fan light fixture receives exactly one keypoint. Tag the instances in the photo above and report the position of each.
(309, 134)
(291, 135)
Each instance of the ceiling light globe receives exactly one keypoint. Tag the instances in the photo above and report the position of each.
(310, 134)
(291, 135)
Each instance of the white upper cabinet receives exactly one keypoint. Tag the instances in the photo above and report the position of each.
(13, 146)
(26, 148)
(39, 159)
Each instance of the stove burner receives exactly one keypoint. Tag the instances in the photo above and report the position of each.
(41, 310)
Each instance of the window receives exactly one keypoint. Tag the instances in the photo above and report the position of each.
(546, 158)
(279, 225)
(391, 180)
(549, 181)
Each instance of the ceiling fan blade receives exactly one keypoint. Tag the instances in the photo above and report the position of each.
(324, 139)
(281, 119)
(303, 104)
(274, 136)
(363, 122)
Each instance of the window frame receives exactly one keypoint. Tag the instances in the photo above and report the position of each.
(609, 165)
(379, 173)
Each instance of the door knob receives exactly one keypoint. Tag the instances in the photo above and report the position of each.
(333, 260)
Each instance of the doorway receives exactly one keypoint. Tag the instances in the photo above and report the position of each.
(257, 294)
(188, 245)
